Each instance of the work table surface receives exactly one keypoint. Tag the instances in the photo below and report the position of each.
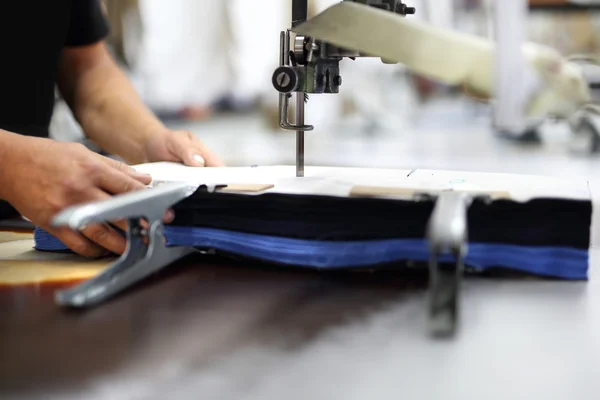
(213, 328)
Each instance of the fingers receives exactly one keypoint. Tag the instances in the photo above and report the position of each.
(99, 239)
(106, 237)
(181, 145)
(112, 240)
(127, 170)
(102, 235)
(77, 243)
(169, 216)
(120, 224)
(115, 181)
(210, 158)
(186, 146)
(92, 242)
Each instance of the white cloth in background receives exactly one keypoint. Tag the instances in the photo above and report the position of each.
(254, 51)
(184, 57)
(193, 52)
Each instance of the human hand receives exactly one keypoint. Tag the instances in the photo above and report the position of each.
(47, 176)
(183, 147)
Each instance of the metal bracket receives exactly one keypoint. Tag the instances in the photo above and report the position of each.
(447, 233)
(286, 76)
(286, 79)
(140, 259)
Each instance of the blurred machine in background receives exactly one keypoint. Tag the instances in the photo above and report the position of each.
(311, 66)
(193, 59)
(570, 27)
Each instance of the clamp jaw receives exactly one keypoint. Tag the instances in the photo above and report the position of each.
(312, 66)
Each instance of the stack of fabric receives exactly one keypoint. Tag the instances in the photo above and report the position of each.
(347, 218)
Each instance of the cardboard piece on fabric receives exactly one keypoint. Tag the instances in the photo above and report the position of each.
(245, 188)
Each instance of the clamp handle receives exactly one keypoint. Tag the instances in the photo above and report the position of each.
(447, 233)
(140, 259)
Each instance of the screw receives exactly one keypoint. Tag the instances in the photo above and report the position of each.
(283, 79)
(403, 9)
(312, 46)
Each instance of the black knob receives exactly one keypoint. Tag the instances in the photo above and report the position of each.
(285, 79)
(403, 9)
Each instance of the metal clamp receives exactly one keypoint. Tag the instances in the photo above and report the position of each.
(447, 233)
(287, 80)
(140, 259)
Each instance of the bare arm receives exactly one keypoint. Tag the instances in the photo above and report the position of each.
(9, 144)
(105, 103)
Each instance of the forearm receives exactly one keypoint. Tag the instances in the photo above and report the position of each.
(108, 108)
(12, 148)
(5, 150)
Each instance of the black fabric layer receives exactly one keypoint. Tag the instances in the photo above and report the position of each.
(539, 222)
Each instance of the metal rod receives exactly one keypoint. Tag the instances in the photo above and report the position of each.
(286, 48)
(300, 135)
(282, 38)
(283, 109)
(299, 15)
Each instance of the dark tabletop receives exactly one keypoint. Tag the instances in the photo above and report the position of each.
(211, 328)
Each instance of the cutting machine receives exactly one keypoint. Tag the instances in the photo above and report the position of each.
(308, 66)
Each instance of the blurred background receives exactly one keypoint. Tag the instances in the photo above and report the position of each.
(206, 66)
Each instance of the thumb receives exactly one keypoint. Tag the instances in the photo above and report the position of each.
(181, 145)
(192, 152)
(128, 170)
(192, 157)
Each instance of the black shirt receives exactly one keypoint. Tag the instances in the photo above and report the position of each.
(32, 35)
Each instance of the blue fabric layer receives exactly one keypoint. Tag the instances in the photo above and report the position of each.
(557, 262)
